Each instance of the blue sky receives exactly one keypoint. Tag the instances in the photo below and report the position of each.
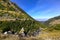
(40, 9)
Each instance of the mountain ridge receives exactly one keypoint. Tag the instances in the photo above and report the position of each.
(53, 23)
(14, 18)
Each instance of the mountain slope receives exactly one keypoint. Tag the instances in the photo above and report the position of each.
(14, 18)
(53, 23)
(12, 10)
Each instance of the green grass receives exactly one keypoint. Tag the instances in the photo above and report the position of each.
(11, 9)
(28, 25)
(2, 7)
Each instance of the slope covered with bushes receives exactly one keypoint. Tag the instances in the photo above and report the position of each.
(14, 18)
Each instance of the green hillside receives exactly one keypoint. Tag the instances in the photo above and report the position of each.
(14, 18)
(53, 23)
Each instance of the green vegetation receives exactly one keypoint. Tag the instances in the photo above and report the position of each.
(55, 26)
(28, 25)
(11, 9)
(2, 7)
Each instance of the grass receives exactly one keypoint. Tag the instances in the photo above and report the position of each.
(54, 35)
(8, 37)
(44, 36)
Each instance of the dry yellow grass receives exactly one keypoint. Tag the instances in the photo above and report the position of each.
(43, 36)
(8, 37)
(50, 35)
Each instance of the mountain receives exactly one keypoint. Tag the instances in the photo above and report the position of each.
(54, 23)
(44, 19)
(54, 20)
(14, 18)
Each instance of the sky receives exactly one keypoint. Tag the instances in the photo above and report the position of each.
(40, 9)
